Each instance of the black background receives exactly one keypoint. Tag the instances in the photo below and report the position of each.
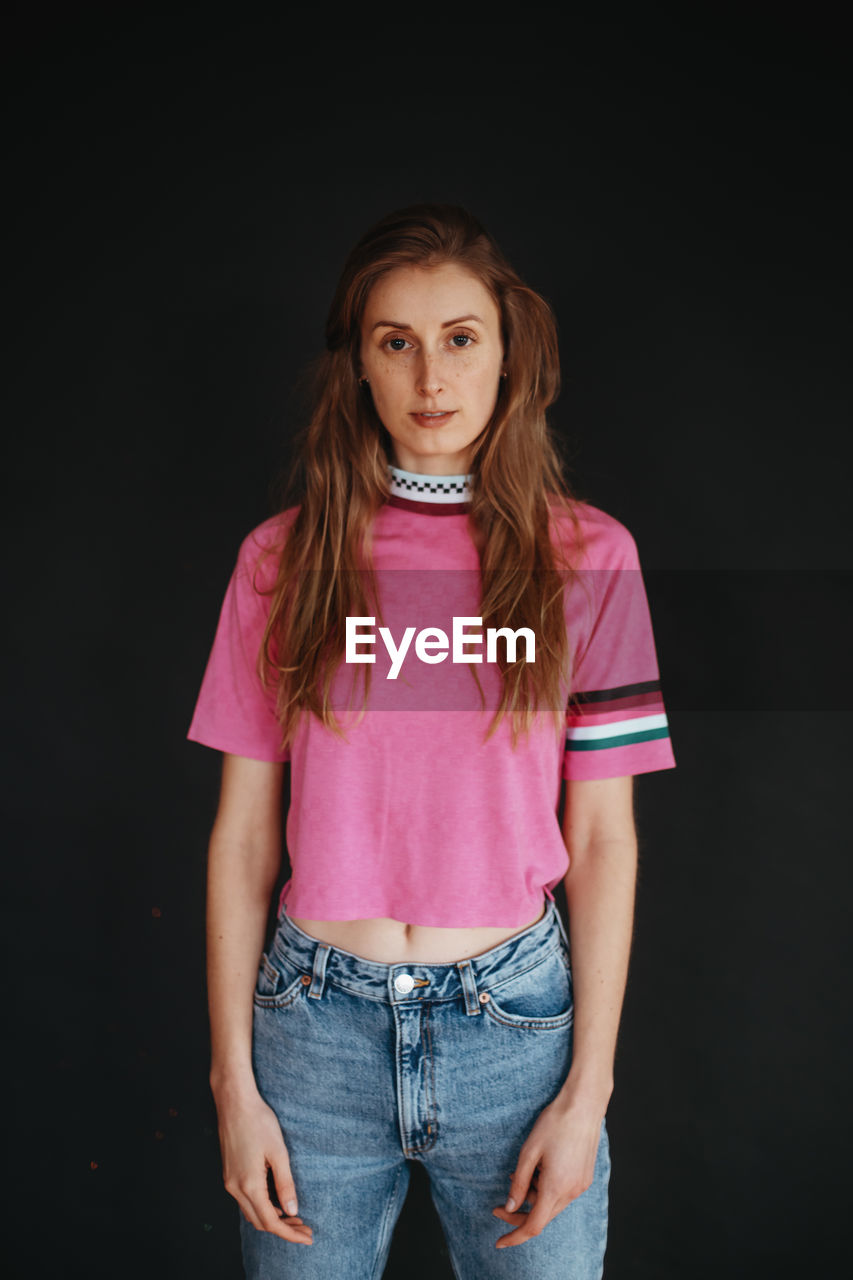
(183, 191)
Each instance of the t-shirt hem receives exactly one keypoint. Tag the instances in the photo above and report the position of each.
(236, 747)
(412, 915)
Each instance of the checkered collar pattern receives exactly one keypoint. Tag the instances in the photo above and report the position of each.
(437, 491)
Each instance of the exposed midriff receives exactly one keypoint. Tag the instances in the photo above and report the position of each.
(388, 941)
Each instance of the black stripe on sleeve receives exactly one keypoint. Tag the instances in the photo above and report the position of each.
(621, 691)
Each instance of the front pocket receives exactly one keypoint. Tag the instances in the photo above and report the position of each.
(539, 999)
(276, 986)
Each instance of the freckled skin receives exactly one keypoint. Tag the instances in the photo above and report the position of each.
(420, 364)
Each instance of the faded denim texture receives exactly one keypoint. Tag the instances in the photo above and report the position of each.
(371, 1066)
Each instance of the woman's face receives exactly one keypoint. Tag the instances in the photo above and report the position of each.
(432, 353)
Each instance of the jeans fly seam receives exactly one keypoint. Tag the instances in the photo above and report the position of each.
(431, 1105)
(433, 1109)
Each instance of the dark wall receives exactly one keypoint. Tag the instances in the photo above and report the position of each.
(184, 194)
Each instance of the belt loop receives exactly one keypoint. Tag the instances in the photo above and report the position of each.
(556, 911)
(318, 979)
(469, 986)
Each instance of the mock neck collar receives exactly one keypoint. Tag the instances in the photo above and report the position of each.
(434, 495)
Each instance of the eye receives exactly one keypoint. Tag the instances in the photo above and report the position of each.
(462, 340)
(396, 344)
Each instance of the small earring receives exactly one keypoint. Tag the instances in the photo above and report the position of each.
(503, 375)
(362, 382)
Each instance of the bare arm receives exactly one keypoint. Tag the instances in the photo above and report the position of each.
(243, 864)
(598, 828)
(244, 860)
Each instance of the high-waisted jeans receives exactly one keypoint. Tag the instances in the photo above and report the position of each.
(371, 1066)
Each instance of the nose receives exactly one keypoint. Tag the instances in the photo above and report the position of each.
(429, 382)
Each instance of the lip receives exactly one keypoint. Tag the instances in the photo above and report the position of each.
(432, 417)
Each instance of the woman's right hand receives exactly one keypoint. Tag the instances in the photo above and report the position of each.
(251, 1142)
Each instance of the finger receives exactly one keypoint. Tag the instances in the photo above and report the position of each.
(258, 1209)
(521, 1179)
(282, 1192)
(535, 1222)
(517, 1215)
(247, 1211)
(291, 1229)
(281, 1184)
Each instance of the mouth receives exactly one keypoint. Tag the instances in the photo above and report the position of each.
(433, 419)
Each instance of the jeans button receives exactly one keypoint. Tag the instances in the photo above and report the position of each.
(404, 982)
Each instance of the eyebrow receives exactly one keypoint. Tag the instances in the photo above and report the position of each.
(394, 324)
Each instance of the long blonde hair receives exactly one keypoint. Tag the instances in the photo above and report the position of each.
(325, 572)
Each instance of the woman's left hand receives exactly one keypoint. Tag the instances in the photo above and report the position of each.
(556, 1165)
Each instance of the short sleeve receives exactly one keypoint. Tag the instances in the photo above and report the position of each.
(234, 712)
(616, 722)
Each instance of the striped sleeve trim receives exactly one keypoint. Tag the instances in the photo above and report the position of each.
(603, 718)
(624, 695)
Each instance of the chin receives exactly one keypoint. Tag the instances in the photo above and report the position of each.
(431, 445)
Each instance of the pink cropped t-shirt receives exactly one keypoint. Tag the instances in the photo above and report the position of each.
(414, 816)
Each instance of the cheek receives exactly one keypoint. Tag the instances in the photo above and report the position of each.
(390, 391)
(388, 376)
(477, 368)
(483, 382)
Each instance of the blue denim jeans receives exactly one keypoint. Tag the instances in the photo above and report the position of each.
(372, 1066)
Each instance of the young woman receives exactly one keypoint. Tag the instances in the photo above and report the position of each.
(433, 636)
